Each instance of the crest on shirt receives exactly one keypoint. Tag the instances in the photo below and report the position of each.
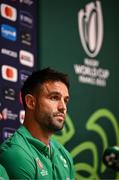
(64, 161)
(39, 163)
(43, 171)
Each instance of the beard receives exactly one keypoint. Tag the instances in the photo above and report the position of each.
(50, 123)
(54, 126)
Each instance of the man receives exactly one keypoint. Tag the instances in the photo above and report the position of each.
(3, 173)
(31, 153)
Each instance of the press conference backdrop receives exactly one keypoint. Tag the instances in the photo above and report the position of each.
(81, 38)
(18, 54)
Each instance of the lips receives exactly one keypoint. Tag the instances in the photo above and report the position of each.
(60, 116)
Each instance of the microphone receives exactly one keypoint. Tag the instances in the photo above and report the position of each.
(111, 157)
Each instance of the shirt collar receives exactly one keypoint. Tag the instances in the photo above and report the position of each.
(35, 142)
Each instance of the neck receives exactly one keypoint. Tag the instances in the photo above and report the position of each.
(37, 132)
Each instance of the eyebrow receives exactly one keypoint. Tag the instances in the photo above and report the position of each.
(57, 93)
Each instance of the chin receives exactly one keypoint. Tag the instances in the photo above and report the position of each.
(58, 128)
(54, 127)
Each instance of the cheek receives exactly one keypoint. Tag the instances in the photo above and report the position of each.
(46, 106)
(50, 107)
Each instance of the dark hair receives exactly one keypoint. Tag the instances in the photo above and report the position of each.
(37, 78)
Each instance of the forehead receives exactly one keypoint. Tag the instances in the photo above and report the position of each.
(55, 86)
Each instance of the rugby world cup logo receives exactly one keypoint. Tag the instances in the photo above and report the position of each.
(90, 24)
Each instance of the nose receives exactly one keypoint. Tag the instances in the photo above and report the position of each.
(62, 106)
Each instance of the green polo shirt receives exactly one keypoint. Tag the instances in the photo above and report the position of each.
(3, 173)
(25, 157)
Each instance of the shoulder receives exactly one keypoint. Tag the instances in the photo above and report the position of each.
(15, 149)
(59, 147)
(12, 151)
(15, 145)
(16, 157)
(16, 154)
(3, 173)
(64, 155)
(17, 162)
(2, 170)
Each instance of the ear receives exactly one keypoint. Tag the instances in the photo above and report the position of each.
(30, 101)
